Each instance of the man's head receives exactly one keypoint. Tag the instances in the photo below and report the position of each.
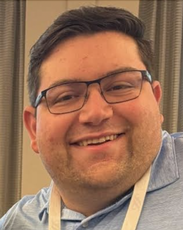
(83, 21)
(109, 142)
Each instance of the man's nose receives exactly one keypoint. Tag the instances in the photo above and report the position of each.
(96, 109)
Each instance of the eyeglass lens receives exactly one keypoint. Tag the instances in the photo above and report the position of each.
(115, 88)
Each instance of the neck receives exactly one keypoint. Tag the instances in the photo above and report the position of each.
(89, 201)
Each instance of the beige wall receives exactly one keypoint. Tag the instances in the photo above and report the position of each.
(39, 15)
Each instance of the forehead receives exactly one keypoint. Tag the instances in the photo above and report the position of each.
(88, 57)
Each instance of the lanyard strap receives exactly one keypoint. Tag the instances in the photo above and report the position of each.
(133, 213)
(54, 210)
(136, 203)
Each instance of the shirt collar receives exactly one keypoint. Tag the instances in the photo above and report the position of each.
(164, 169)
(45, 208)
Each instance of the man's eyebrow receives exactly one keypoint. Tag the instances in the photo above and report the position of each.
(72, 80)
(120, 69)
(64, 81)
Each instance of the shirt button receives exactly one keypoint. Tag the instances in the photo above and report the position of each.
(85, 224)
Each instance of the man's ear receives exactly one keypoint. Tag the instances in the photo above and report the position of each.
(157, 94)
(157, 91)
(30, 124)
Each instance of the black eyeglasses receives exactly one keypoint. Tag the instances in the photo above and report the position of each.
(115, 88)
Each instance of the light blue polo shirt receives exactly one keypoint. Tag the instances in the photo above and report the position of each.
(162, 210)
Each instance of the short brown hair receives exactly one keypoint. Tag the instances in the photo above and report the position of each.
(86, 20)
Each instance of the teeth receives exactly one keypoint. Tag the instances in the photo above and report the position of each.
(97, 140)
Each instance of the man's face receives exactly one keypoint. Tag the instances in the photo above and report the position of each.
(119, 162)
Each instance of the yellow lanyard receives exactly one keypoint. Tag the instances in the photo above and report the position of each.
(133, 213)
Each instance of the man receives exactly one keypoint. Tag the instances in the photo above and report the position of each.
(95, 122)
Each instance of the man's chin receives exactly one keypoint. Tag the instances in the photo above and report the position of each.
(102, 177)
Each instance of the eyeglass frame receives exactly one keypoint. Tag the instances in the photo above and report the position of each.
(145, 76)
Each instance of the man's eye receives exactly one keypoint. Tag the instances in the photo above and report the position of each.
(65, 98)
(120, 87)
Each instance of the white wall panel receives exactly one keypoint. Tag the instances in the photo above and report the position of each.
(71, 4)
(130, 5)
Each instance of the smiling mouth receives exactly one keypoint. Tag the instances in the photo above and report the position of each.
(98, 141)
